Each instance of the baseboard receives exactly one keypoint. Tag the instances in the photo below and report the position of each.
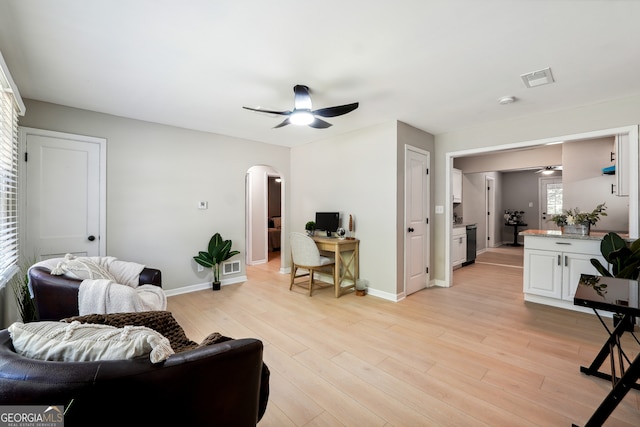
(203, 286)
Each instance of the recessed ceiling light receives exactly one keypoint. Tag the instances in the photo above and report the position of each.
(507, 100)
(537, 78)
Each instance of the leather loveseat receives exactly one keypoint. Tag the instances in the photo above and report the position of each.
(219, 382)
(56, 297)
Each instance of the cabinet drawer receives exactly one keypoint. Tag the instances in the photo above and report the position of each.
(581, 246)
(459, 232)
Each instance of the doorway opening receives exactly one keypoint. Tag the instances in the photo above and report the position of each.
(513, 153)
(264, 216)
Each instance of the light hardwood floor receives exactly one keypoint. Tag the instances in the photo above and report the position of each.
(471, 355)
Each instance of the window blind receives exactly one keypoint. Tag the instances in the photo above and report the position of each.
(8, 180)
(11, 106)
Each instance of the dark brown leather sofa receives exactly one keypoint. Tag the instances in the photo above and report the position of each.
(215, 385)
(56, 297)
(219, 382)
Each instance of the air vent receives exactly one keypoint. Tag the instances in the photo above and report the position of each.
(231, 267)
(538, 78)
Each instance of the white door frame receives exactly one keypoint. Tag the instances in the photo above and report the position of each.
(23, 133)
(490, 215)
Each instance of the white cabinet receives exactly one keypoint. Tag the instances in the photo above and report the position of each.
(622, 164)
(456, 185)
(552, 266)
(459, 246)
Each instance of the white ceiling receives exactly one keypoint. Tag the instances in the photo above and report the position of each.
(436, 65)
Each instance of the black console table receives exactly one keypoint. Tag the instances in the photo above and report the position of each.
(619, 296)
(515, 232)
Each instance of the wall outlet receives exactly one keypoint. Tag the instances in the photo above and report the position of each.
(439, 209)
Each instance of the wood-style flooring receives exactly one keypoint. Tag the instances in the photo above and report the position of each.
(474, 354)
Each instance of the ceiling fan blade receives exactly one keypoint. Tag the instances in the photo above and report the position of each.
(262, 110)
(284, 123)
(302, 100)
(319, 124)
(335, 111)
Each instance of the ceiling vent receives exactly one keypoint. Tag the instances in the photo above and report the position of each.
(538, 78)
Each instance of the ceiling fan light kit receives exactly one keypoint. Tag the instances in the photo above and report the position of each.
(302, 114)
(507, 100)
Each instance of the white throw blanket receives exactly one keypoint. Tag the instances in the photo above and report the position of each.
(101, 296)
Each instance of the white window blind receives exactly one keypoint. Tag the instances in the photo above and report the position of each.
(11, 106)
(8, 181)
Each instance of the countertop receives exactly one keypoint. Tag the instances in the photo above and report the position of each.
(464, 224)
(593, 235)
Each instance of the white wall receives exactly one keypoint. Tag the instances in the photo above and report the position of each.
(584, 186)
(354, 174)
(604, 115)
(156, 175)
(362, 174)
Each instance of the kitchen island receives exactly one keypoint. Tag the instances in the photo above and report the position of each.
(553, 263)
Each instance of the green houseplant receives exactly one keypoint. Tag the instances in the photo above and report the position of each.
(20, 286)
(624, 259)
(218, 251)
(310, 226)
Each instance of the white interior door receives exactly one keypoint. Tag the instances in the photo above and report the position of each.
(64, 194)
(416, 220)
(550, 193)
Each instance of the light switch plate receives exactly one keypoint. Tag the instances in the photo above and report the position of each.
(439, 209)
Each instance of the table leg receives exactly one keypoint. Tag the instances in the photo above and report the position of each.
(337, 281)
(614, 397)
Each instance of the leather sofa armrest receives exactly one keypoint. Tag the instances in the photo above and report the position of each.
(150, 276)
(55, 297)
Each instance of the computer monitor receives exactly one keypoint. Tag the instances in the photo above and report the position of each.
(327, 221)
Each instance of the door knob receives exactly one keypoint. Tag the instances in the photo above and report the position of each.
(91, 238)
(410, 230)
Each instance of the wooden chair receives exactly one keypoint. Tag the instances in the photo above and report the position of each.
(305, 255)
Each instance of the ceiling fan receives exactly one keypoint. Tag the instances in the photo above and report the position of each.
(302, 114)
(548, 170)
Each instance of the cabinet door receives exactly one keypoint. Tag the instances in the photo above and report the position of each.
(543, 273)
(573, 266)
(456, 251)
(456, 185)
(622, 165)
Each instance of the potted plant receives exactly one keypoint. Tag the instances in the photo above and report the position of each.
(572, 221)
(219, 250)
(310, 226)
(624, 259)
(20, 286)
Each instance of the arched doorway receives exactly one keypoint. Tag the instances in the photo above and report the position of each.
(264, 215)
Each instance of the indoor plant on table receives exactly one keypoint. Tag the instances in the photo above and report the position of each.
(219, 250)
(573, 221)
(310, 226)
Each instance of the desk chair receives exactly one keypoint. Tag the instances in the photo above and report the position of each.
(305, 254)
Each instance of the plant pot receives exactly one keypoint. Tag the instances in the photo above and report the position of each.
(215, 286)
(577, 229)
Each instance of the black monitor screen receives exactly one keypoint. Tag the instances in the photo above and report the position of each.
(327, 221)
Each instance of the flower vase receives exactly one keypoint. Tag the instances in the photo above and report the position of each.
(577, 229)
